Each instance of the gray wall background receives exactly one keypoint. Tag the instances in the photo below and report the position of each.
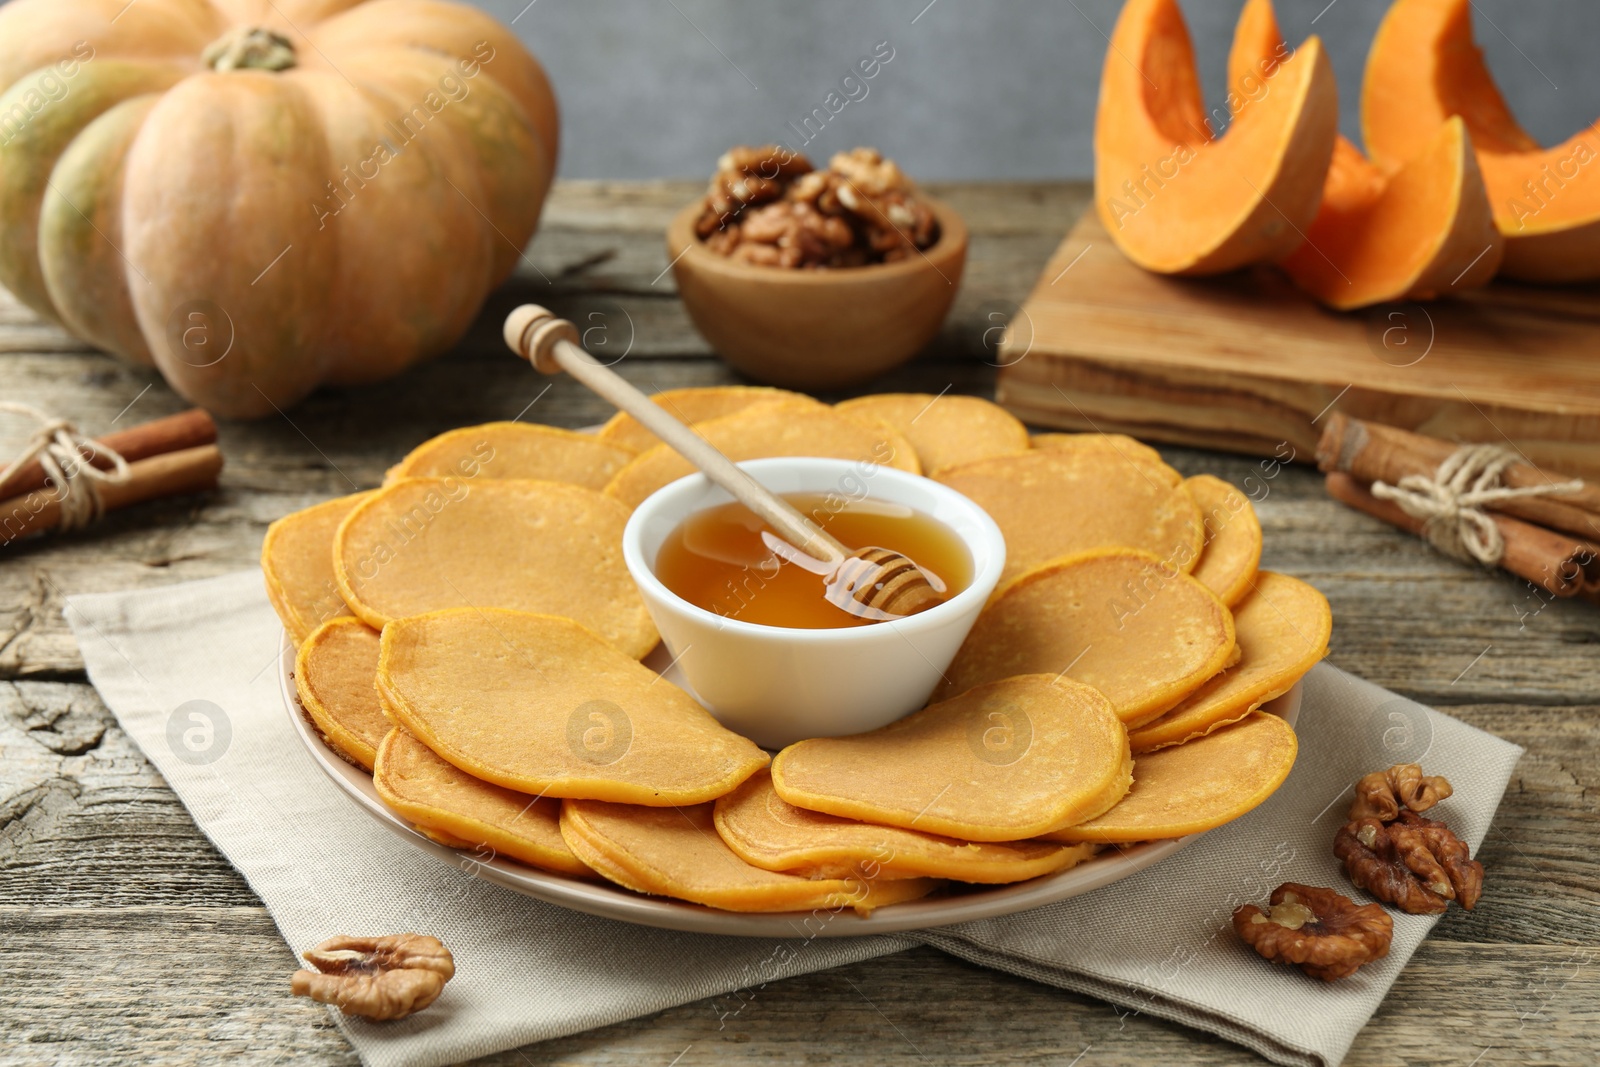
(995, 89)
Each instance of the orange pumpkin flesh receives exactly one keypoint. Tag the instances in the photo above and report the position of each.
(1425, 67)
(1414, 234)
(1425, 230)
(330, 204)
(1175, 199)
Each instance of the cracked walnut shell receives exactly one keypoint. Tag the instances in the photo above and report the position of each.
(1417, 864)
(380, 978)
(1323, 933)
(1381, 794)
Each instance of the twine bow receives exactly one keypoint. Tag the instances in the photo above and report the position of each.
(66, 455)
(1452, 501)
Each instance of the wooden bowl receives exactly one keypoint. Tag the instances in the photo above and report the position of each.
(817, 329)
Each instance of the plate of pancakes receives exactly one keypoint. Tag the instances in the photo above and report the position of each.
(467, 658)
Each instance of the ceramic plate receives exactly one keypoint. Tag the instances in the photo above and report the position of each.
(961, 905)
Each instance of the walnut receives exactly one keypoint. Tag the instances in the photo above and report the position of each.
(768, 207)
(746, 177)
(1416, 864)
(1322, 932)
(884, 199)
(868, 173)
(1381, 794)
(377, 977)
(820, 189)
(724, 240)
(789, 234)
(898, 227)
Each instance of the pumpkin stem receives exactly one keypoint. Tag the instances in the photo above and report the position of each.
(249, 48)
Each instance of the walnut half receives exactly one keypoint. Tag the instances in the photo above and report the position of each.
(1416, 864)
(377, 977)
(1325, 934)
(1381, 794)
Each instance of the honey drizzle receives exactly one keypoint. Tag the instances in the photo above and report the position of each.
(716, 560)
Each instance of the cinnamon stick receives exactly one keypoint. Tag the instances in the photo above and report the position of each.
(1371, 452)
(1551, 560)
(187, 429)
(187, 470)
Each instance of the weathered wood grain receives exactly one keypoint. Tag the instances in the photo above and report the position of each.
(128, 938)
(206, 984)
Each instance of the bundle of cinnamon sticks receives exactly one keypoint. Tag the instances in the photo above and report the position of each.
(1551, 540)
(172, 456)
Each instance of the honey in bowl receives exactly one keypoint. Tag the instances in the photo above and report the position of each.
(717, 559)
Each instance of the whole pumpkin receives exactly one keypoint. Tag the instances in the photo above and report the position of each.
(260, 196)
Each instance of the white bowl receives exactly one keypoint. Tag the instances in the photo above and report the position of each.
(777, 686)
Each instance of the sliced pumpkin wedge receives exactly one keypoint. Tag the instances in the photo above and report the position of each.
(1174, 198)
(1425, 229)
(1424, 67)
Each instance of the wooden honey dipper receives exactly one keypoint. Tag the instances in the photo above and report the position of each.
(872, 583)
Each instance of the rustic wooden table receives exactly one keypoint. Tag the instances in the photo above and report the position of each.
(128, 938)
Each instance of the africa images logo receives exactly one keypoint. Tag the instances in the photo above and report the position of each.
(199, 732)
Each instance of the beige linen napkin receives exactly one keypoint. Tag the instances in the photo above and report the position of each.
(527, 971)
(1162, 942)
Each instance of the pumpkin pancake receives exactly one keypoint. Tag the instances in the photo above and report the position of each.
(1197, 786)
(1143, 634)
(692, 405)
(675, 852)
(442, 838)
(297, 563)
(443, 800)
(1001, 762)
(1130, 449)
(777, 428)
(333, 675)
(1055, 502)
(767, 831)
(1233, 538)
(515, 450)
(539, 704)
(1283, 628)
(423, 544)
(945, 430)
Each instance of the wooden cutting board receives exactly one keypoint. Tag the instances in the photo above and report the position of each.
(1246, 363)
